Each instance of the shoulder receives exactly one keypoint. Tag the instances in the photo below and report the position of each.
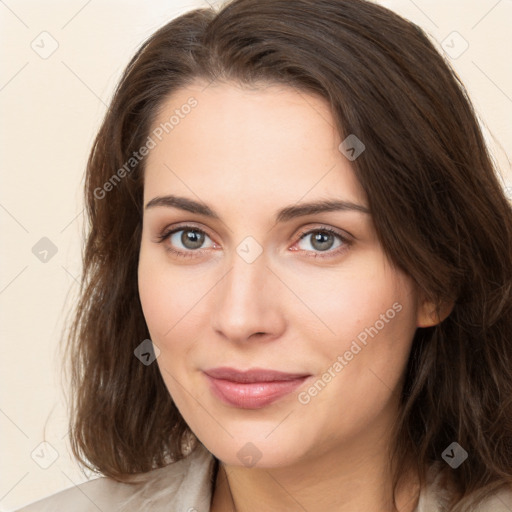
(101, 493)
(183, 485)
(435, 497)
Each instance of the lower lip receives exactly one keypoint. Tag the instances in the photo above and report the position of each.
(253, 395)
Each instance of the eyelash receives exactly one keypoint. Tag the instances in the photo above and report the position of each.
(312, 254)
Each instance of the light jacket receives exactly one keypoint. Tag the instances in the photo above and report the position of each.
(187, 486)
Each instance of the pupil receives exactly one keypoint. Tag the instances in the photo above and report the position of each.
(192, 239)
(323, 241)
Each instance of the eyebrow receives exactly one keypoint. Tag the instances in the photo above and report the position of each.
(283, 215)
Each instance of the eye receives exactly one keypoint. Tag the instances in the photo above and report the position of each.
(185, 240)
(323, 240)
(189, 241)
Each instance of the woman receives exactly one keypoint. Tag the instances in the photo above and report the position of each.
(297, 281)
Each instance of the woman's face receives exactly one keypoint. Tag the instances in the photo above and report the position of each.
(253, 278)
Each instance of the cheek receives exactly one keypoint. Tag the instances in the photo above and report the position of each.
(171, 305)
(157, 304)
(375, 330)
(368, 320)
(170, 297)
(348, 300)
(360, 366)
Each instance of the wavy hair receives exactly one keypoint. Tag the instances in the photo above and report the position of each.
(439, 209)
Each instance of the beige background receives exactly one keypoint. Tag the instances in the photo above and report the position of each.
(50, 109)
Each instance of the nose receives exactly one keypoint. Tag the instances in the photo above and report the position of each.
(247, 303)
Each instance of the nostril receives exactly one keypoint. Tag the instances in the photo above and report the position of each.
(258, 334)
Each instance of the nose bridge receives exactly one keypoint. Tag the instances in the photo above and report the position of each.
(245, 303)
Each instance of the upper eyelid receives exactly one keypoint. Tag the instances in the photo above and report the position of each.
(333, 231)
(167, 231)
(301, 231)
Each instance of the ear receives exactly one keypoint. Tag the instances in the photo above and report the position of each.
(427, 316)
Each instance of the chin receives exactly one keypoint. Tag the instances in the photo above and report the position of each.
(258, 452)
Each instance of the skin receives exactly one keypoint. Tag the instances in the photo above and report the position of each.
(247, 153)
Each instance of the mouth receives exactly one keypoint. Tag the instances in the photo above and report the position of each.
(252, 389)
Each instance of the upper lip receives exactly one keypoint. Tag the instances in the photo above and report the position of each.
(252, 375)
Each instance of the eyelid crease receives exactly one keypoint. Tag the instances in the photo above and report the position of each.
(328, 229)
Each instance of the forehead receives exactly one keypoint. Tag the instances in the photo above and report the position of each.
(271, 145)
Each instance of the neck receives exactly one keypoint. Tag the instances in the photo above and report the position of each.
(351, 479)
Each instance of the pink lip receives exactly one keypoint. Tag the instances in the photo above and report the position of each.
(252, 389)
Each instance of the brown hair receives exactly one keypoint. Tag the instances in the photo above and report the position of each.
(437, 205)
